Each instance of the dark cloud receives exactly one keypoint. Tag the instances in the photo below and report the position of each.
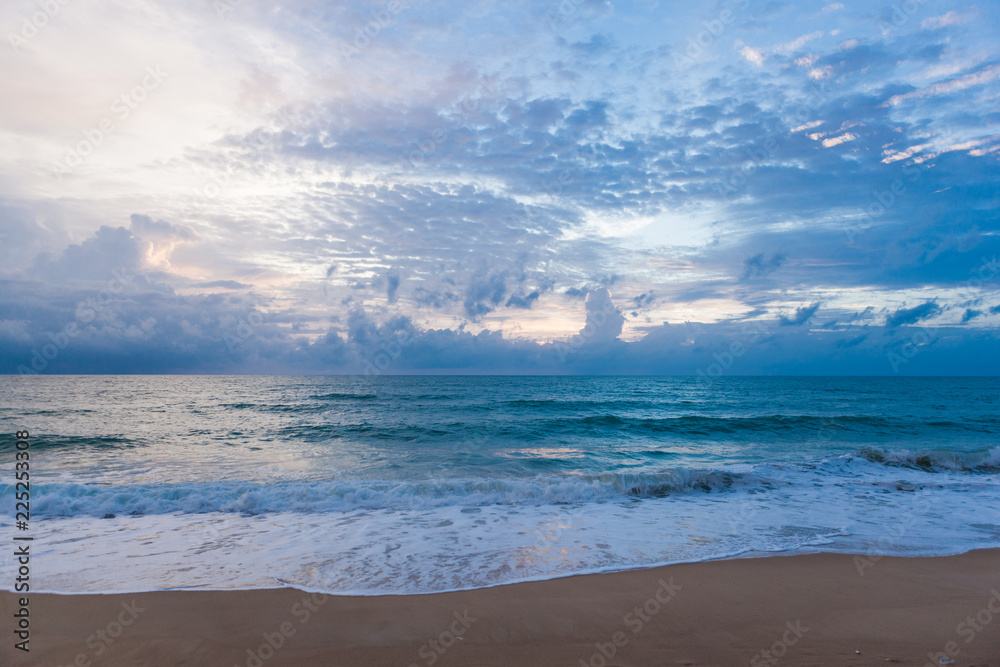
(111, 248)
(392, 286)
(133, 330)
(802, 315)
(523, 301)
(970, 315)
(644, 300)
(484, 293)
(757, 266)
(912, 315)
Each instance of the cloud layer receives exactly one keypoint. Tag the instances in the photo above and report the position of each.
(585, 187)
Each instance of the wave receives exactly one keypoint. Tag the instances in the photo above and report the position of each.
(787, 425)
(335, 396)
(527, 429)
(933, 461)
(62, 500)
(46, 441)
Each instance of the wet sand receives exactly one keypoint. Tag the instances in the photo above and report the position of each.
(822, 609)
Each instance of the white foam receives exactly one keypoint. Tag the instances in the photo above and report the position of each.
(452, 546)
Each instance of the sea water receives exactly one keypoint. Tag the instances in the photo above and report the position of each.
(372, 485)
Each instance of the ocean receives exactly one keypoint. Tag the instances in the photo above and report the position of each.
(375, 485)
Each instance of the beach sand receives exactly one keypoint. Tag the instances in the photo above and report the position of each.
(804, 610)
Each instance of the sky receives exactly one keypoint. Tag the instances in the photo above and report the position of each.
(574, 186)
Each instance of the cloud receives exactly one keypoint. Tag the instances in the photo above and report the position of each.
(522, 301)
(970, 315)
(758, 267)
(229, 333)
(507, 168)
(983, 76)
(836, 141)
(644, 300)
(945, 20)
(604, 319)
(751, 55)
(820, 73)
(484, 293)
(392, 286)
(912, 315)
(802, 315)
(796, 44)
(111, 248)
(224, 284)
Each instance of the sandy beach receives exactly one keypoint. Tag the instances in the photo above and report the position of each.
(823, 609)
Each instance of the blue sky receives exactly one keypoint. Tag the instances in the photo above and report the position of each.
(500, 187)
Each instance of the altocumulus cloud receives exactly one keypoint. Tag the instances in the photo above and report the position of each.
(485, 182)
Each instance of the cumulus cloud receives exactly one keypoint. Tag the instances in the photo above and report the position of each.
(604, 320)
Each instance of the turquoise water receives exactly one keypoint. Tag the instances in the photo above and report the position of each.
(413, 484)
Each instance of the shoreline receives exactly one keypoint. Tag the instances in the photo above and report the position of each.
(794, 609)
(282, 585)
